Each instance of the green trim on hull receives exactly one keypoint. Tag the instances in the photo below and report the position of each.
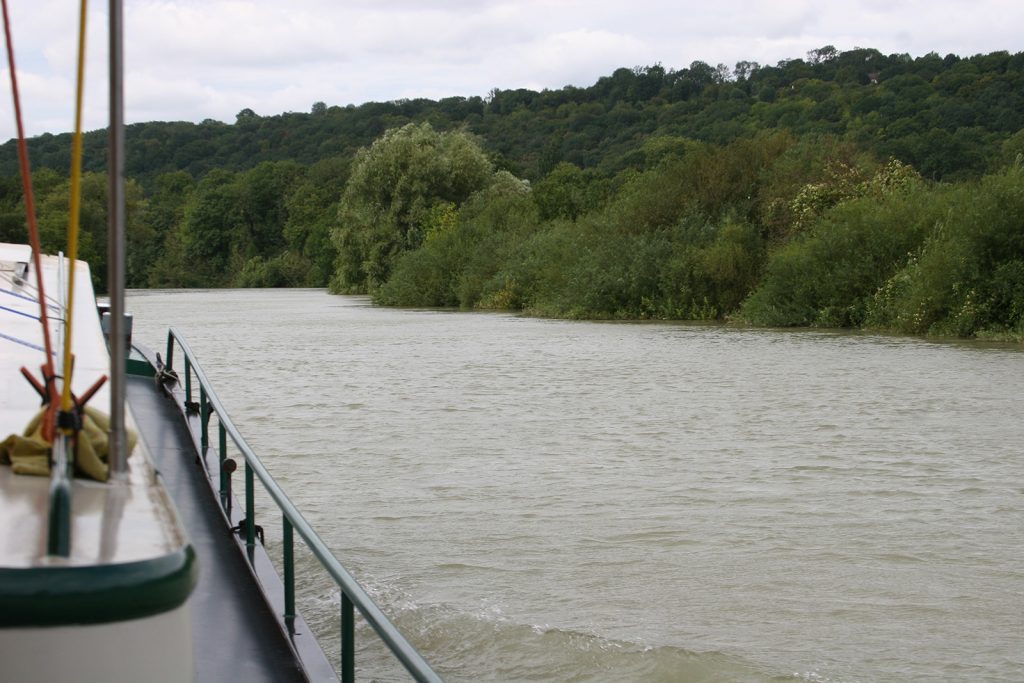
(96, 594)
(140, 368)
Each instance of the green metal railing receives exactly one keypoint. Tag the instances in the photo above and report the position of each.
(352, 594)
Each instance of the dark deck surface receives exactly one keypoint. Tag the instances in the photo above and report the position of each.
(235, 636)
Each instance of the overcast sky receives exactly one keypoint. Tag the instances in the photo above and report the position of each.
(197, 59)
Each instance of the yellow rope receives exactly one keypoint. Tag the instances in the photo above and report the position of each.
(76, 182)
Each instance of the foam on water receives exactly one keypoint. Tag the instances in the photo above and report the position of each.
(486, 645)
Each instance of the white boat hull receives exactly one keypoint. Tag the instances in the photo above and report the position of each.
(156, 649)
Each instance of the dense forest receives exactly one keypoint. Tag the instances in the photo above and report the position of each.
(846, 189)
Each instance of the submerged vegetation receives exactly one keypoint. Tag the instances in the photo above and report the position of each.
(850, 189)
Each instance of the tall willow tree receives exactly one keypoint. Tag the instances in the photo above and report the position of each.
(395, 187)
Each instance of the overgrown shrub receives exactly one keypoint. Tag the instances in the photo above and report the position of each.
(284, 270)
(826, 276)
(968, 275)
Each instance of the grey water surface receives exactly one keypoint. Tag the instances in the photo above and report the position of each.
(537, 500)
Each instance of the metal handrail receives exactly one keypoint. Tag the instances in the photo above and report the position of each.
(352, 594)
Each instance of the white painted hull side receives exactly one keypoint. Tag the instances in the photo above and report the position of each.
(155, 649)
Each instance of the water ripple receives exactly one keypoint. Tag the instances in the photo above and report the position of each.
(562, 501)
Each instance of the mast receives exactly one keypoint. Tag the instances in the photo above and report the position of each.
(116, 244)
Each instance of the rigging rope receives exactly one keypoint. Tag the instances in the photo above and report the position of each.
(30, 209)
(67, 403)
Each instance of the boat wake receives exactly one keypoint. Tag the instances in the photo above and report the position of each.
(488, 646)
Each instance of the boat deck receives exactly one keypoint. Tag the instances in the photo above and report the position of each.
(235, 635)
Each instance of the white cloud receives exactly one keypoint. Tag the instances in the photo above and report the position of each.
(197, 59)
(224, 34)
(579, 52)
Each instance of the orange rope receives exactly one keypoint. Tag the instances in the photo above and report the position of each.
(30, 212)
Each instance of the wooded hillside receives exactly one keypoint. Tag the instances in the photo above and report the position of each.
(832, 190)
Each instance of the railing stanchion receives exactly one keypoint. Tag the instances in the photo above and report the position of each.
(288, 544)
(170, 350)
(250, 507)
(221, 457)
(188, 380)
(348, 640)
(204, 420)
(226, 500)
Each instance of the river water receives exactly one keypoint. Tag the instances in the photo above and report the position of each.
(537, 500)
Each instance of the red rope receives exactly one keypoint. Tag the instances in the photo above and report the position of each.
(30, 211)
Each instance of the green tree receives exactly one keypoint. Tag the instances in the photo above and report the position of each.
(142, 242)
(312, 208)
(567, 192)
(262, 206)
(166, 215)
(394, 185)
(12, 210)
(211, 227)
(53, 211)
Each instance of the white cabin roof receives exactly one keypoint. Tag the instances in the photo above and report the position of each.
(112, 523)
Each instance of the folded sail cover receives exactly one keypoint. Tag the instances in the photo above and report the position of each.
(29, 453)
